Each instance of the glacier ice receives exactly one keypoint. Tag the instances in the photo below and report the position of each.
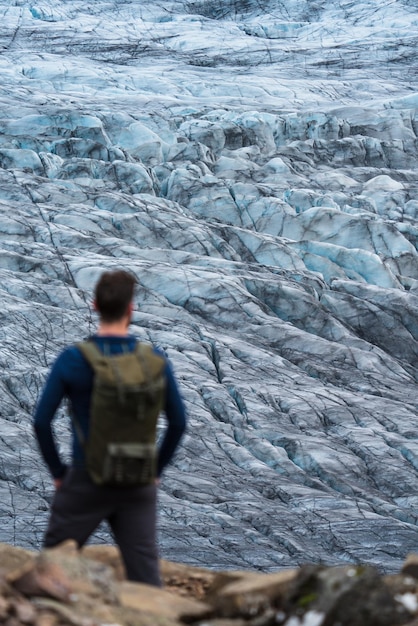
(255, 165)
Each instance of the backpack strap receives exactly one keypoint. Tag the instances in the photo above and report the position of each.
(90, 351)
(150, 362)
(141, 350)
(92, 355)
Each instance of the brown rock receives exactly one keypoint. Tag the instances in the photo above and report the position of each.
(62, 572)
(186, 580)
(222, 579)
(13, 560)
(44, 579)
(90, 577)
(410, 567)
(124, 616)
(346, 595)
(46, 619)
(252, 593)
(69, 546)
(108, 555)
(12, 621)
(24, 611)
(159, 602)
(401, 583)
(73, 615)
(4, 609)
(221, 621)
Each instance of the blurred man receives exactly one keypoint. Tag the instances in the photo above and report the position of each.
(121, 486)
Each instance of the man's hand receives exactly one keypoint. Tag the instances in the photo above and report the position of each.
(57, 482)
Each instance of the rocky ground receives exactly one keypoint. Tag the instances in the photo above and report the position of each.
(63, 587)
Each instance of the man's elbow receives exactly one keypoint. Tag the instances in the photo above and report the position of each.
(182, 425)
(40, 428)
(177, 430)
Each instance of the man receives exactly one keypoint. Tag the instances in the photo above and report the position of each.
(79, 504)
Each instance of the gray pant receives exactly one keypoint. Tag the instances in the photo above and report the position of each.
(79, 506)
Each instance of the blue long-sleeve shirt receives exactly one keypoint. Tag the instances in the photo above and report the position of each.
(71, 377)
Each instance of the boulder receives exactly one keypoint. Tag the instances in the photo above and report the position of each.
(108, 555)
(65, 586)
(345, 595)
(160, 602)
(248, 593)
(13, 560)
(187, 580)
(62, 573)
(410, 567)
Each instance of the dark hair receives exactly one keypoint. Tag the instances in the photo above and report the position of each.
(113, 293)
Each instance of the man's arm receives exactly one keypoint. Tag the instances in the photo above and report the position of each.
(48, 403)
(176, 421)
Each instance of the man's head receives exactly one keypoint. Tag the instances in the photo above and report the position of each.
(113, 295)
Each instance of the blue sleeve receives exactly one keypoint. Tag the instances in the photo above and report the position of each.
(48, 403)
(176, 420)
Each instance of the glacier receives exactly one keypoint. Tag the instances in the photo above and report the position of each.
(255, 165)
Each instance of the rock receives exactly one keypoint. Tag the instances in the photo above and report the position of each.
(249, 594)
(25, 611)
(108, 555)
(401, 583)
(187, 580)
(78, 612)
(45, 579)
(160, 602)
(410, 567)
(62, 572)
(47, 619)
(345, 595)
(225, 622)
(13, 560)
(68, 587)
(4, 609)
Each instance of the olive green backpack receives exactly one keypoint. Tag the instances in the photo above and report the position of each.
(127, 397)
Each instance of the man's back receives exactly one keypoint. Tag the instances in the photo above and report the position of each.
(72, 377)
(80, 504)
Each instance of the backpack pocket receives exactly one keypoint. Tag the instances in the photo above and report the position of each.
(129, 464)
